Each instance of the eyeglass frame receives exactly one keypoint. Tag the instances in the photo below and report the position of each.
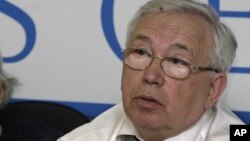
(186, 62)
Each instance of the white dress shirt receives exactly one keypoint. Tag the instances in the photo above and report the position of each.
(114, 125)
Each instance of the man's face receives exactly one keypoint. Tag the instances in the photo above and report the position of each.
(154, 100)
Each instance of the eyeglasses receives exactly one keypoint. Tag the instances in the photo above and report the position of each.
(141, 58)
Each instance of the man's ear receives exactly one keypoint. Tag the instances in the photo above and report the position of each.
(218, 84)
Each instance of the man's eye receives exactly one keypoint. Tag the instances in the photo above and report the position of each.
(141, 52)
(177, 61)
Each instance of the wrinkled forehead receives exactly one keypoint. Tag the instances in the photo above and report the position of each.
(191, 26)
(184, 29)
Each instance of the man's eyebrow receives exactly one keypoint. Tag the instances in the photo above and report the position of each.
(143, 38)
(178, 46)
(172, 46)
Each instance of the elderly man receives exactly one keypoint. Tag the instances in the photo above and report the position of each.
(175, 69)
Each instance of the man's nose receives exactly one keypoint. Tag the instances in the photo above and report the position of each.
(154, 75)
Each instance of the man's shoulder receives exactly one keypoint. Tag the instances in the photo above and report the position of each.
(225, 116)
(220, 129)
(101, 127)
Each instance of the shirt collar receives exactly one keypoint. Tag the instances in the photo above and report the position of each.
(127, 128)
(198, 131)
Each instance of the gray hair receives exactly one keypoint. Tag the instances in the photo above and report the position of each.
(221, 56)
(7, 85)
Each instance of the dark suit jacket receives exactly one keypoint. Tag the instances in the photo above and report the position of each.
(20, 130)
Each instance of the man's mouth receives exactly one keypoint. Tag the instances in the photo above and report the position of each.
(147, 102)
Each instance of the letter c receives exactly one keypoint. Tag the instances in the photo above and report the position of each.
(26, 22)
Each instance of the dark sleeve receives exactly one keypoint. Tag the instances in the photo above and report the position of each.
(20, 130)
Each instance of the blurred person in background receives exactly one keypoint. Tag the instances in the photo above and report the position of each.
(177, 57)
(14, 129)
